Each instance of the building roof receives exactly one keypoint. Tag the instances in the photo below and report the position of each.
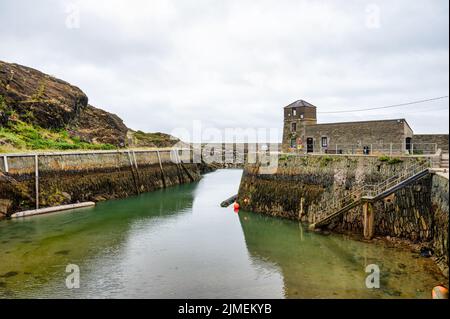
(299, 103)
(369, 121)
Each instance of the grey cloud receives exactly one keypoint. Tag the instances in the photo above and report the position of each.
(162, 64)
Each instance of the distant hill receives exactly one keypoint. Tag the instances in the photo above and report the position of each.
(38, 111)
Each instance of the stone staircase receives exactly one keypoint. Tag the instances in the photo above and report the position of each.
(370, 193)
(444, 161)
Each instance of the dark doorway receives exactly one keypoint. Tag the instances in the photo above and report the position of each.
(309, 145)
(408, 144)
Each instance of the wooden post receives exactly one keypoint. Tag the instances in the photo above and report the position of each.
(390, 149)
(368, 220)
(36, 174)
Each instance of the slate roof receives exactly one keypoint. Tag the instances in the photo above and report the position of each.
(299, 103)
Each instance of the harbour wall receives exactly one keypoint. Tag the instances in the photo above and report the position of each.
(302, 187)
(68, 178)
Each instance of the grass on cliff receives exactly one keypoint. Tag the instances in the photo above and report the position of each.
(389, 160)
(156, 139)
(20, 136)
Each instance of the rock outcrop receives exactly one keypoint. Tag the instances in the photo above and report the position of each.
(94, 125)
(33, 95)
(50, 103)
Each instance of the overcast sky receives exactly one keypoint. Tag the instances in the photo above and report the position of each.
(160, 65)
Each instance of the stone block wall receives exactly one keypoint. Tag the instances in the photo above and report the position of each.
(303, 187)
(440, 139)
(70, 178)
(440, 211)
(379, 134)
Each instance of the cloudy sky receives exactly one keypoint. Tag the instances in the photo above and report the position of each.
(162, 64)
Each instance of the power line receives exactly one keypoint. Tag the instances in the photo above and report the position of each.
(387, 106)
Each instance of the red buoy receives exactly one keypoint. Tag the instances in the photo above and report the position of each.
(439, 292)
(236, 205)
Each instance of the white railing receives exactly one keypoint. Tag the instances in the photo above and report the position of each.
(378, 149)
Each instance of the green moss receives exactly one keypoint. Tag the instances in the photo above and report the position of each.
(10, 138)
(384, 158)
(389, 160)
(394, 161)
(156, 139)
(37, 97)
(3, 106)
(324, 160)
(285, 157)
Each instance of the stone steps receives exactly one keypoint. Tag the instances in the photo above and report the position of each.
(444, 160)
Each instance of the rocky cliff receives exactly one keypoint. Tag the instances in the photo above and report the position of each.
(43, 101)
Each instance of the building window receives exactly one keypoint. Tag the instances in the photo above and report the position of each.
(294, 112)
(324, 141)
(293, 127)
(293, 143)
(302, 116)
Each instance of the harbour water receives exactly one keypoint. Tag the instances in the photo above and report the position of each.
(179, 243)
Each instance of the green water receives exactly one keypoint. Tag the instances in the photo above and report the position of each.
(179, 243)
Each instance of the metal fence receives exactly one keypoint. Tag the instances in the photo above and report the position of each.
(377, 149)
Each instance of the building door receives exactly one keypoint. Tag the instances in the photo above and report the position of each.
(309, 145)
(408, 144)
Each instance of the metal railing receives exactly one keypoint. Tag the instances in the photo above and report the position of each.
(371, 191)
(344, 200)
(378, 149)
(408, 172)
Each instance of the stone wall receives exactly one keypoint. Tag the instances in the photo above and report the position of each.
(304, 115)
(303, 186)
(378, 134)
(440, 210)
(71, 178)
(440, 139)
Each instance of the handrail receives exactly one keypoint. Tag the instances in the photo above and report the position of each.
(379, 148)
(374, 190)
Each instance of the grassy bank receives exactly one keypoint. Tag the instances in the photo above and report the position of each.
(21, 136)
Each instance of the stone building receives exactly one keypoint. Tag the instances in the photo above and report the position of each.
(302, 133)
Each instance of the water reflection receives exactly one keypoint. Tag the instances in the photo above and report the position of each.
(37, 249)
(333, 266)
(179, 243)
